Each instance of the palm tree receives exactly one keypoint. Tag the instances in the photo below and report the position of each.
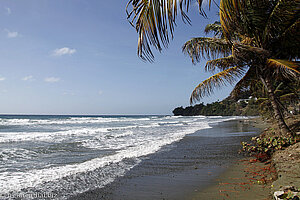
(261, 44)
(286, 92)
(258, 41)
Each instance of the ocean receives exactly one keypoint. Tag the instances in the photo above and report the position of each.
(61, 156)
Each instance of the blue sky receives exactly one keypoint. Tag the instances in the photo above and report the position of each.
(79, 57)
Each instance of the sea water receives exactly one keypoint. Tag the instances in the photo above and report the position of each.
(61, 156)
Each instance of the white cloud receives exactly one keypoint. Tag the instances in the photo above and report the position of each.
(27, 78)
(51, 79)
(2, 78)
(63, 51)
(100, 92)
(70, 93)
(11, 34)
(8, 10)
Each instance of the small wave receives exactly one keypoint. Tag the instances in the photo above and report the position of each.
(129, 141)
(126, 133)
(16, 154)
(15, 181)
(214, 117)
(9, 137)
(72, 120)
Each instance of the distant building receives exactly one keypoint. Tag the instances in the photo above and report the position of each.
(247, 100)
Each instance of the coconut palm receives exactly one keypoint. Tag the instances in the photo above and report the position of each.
(261, 44)
(259, 41)
(286, 92)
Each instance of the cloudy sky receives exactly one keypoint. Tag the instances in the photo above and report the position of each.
(79, 57)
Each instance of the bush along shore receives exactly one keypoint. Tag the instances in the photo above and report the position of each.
(283, 153)
(227, 107)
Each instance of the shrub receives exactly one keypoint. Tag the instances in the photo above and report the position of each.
(267, 146)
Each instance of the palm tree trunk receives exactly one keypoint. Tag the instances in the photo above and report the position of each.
(278, 115)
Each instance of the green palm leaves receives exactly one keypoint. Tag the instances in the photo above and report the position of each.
(253, 38)
(220, 79)
(214, 28)
(256, 40)
(154, 21)
(285, 66)
(208, 48)
(253, 41)
(265, 21)
(220, 63)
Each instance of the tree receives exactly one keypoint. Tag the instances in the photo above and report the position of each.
(155, 21)
(259, 41)
(261, 44)
(287, 94)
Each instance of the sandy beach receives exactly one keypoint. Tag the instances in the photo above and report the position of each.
(150, 100)
(188, 169)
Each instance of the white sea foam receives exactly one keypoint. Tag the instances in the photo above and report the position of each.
(72, 120)
(124, 134)
(128, 138)
(15, 181)
(16, 154)
(57, 136)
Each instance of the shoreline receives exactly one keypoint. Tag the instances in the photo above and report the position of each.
(182, 169)
(244, 179)
(251, 179)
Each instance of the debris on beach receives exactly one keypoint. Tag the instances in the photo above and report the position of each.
(287, 192)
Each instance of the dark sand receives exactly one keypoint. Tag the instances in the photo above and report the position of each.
(243, 180)
(182, 170)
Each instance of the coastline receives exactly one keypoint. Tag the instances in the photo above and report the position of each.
(182, 169)
(250, 179)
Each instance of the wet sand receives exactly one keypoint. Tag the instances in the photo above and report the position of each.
(183, 169)
(243, 180)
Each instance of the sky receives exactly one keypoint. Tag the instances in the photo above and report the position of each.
(79, 57)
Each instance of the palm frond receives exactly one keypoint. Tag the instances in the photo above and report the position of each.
(226, 16)
(248, 53)
(278, 89)
(245, 17)
(221, 63)
(220, 79)
(247, 40)
(261, 99)
(245, 83)
(287, 45)
(214, 28)
(209, 48)
(234, 18)
(283, 15)
(285, 67)
(154, 21)
(292, 30)
(289, 97)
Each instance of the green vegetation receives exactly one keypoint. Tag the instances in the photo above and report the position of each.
(257, 42)
(287, 93)
(226, 107)
(249, 50)
(267, 146)
(270, 141)
(255, 47)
